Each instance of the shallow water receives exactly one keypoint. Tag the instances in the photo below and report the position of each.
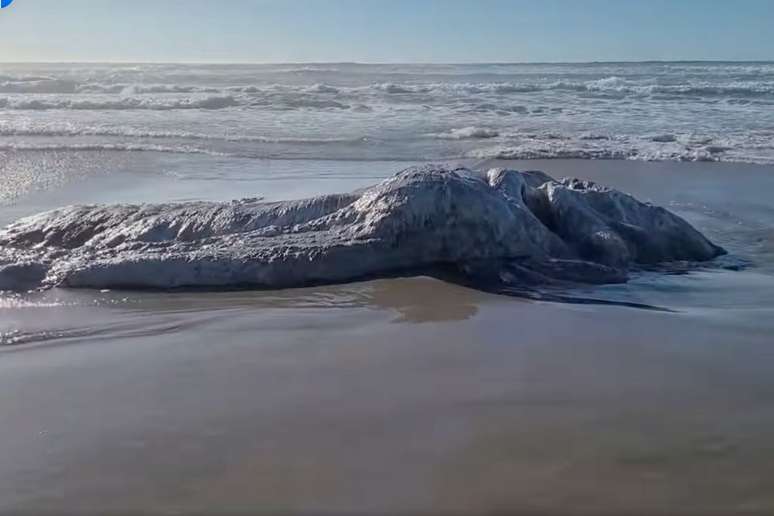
(404, 395)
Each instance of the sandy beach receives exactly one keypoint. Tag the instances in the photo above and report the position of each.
(403, 396)
(386, 258)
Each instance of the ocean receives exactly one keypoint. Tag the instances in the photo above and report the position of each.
(686, 111)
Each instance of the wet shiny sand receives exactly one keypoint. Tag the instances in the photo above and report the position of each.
(408, 396)
(401, 396)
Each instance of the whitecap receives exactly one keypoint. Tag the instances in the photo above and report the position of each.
(468, 132)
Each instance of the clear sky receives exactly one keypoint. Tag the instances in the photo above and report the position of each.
(386, 30)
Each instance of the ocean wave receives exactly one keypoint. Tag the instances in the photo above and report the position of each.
(322, 88)
(25, 78)
(39, 86)
(254, 89)
(325, 96)
(57, 130)
(342, 150)
(623, 86)
(141, 89)
(122, 103)
(619, 151)
(47, 85)
(527, 152)
(468, 133)
(724, 69)
(101, 88)
(393, 88)
(663, 138)
(140, 99)
(299, 102)
(595, 136)
(612, 84)
(71, 87)
(116, 147)
(309, 69)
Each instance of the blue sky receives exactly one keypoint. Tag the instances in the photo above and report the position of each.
(386, 30)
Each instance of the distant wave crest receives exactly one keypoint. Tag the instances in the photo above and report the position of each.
(42, 93)
(468, 132)
(123, 103)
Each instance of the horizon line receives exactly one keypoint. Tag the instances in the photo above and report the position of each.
(377, 63)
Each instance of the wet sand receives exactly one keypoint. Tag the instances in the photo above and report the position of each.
(409, 396)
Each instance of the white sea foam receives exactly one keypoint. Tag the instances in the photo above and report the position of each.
(322, 88)
(122, 103)
(548, 152)
(116, 147)
(622, 150)
(468, 132)
(63, 130)
(394, 88)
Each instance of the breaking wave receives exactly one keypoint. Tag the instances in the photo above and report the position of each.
(130, 132)
(609, 84)
(468, 132)
(124, 103)
(623, 152)
(116, 147)
(614, 84)
(620, 85)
